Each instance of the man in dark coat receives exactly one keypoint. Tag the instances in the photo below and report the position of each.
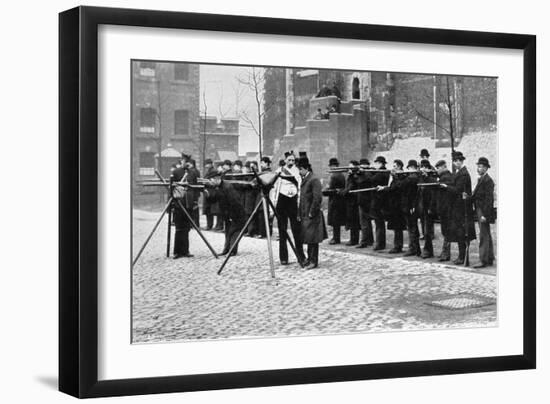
(461, 229)
(425, 205)
(442, 200)
(185, 174)
(229, 201)
(352, 207)
(250, 196)
(313, 230)
(265, 167)
(336, 203)
(363, 179)
(379, 199)
(209, 172)
(483, 198)
(409, 206)
(396, 212)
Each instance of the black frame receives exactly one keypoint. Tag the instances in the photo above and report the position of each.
(78, 176)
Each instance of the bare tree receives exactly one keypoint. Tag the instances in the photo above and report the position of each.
(445, 103)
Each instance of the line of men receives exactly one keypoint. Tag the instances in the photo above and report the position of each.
(230, 204)
(402, 198)
(296, 195)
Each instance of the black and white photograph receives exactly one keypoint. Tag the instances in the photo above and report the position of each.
(283, 201)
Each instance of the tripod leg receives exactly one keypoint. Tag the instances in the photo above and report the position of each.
(152, 231)
(196, 228)
(268, 236)
(169, 233)
(287, 235)
(240, 235)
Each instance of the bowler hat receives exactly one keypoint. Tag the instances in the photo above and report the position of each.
(266, 160)
(207, 161)
(238, 163)
(333, 162)
(412, 163)
(398, 162)
(288, 153)
(424, 153)
(227, 163)
(247, 164)
(484, 161)
(354, 162)
(458, 156)
(364, 162)
(380, 159)
(425, 163)
(440, 163)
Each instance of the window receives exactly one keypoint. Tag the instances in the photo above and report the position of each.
(355, 90)
(147, 69)
(181, 71)
(147, 163)
(147, 119)
(181, 122)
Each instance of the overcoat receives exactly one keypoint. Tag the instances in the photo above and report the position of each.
(398, 202)
(483, 197)
(312, 221)
(461, 218)
(441, 202)
(207, 206)
(378, 206)
(352, 207)
(336, 203)
(191, 199)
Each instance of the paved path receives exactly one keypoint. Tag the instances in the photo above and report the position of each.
(350, 292)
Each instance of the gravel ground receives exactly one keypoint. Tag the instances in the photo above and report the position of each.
(352, 291)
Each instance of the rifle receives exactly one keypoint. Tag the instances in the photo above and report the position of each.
(428, 184)
(366, 189)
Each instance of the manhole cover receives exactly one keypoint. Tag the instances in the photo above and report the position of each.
(461, 302)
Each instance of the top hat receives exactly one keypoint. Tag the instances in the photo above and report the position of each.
(424, 153)
(484, 161)
(333, 162)
(303, 162)
(440, 163)
(412, 163)
(380, 159)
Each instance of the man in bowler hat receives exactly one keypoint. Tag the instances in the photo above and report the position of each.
(483, 198)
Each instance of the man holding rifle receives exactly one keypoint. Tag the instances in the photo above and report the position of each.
(443, 200)
(336, 203)
(379, 199)
(461, 229)
(189, 197)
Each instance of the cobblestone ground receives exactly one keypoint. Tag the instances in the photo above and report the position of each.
(350, 292)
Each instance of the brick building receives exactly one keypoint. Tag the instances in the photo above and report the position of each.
(376, 109)
(166, 122)
(165, 115)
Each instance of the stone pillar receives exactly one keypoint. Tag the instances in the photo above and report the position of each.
(289, 97)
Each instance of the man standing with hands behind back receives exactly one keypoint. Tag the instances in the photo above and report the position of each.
(483, 197)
